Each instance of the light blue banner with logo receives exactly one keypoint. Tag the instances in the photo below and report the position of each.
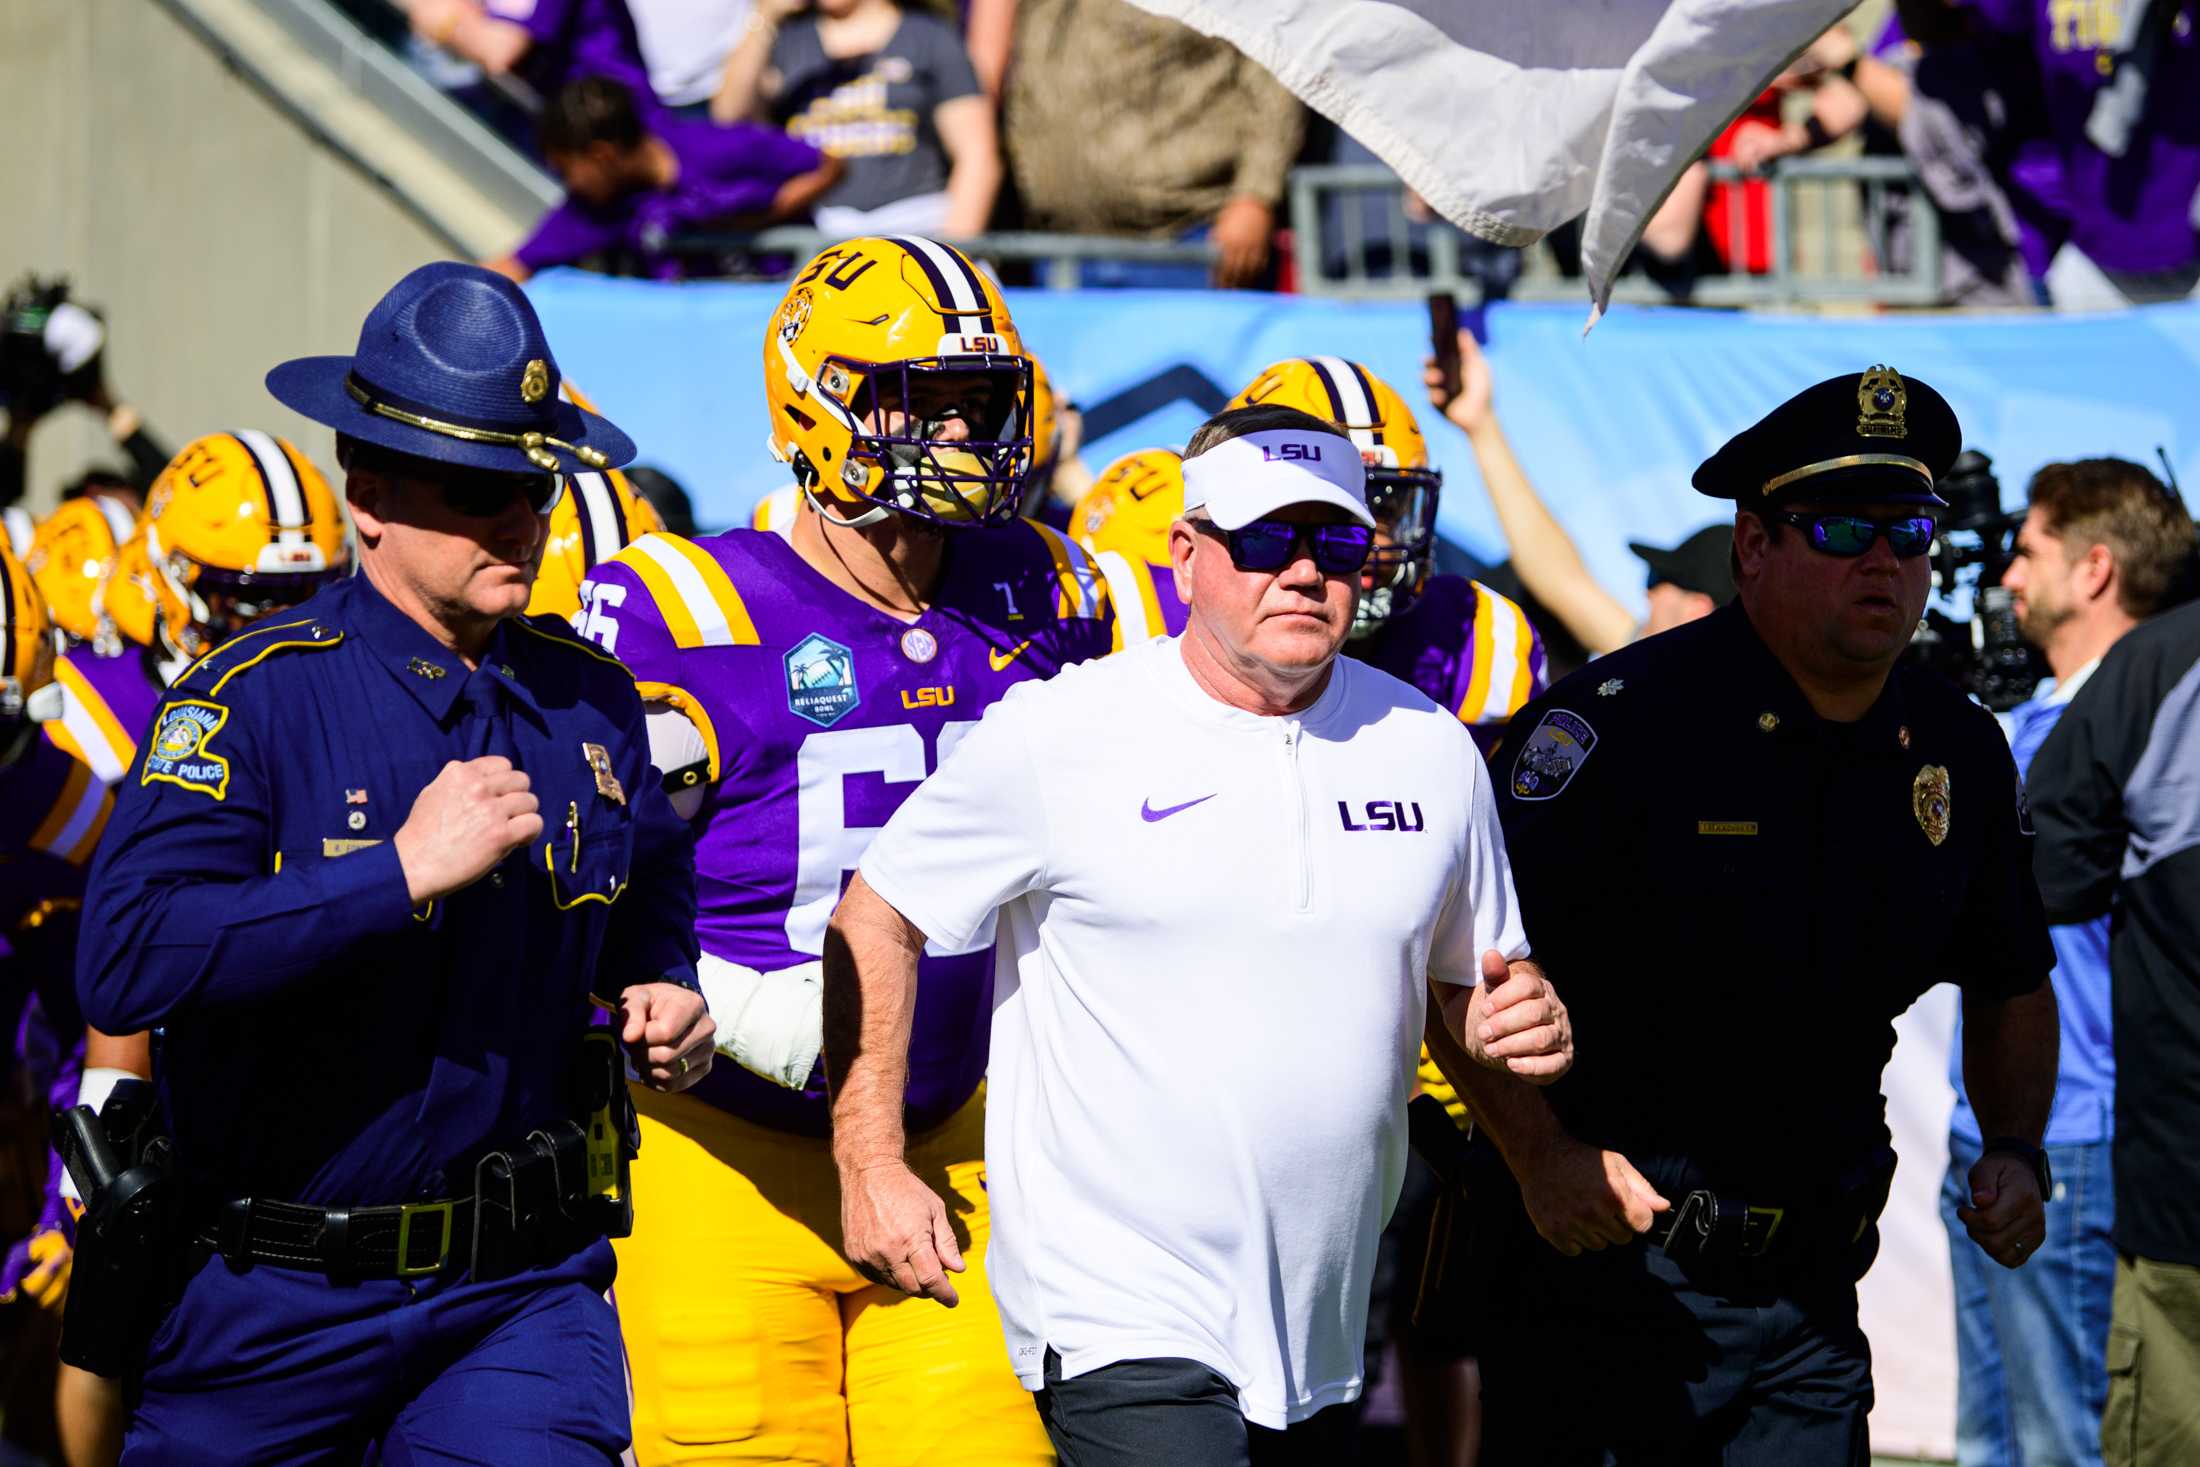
(1609, 427)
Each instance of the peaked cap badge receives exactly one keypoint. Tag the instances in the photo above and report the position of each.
(1881, 401)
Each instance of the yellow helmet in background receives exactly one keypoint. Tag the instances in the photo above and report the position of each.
(1130, 507)
(1402, 487)
(237, 525)
(127, 613)
(26, 643)
(1043, 426)
(70, 555)
(598, 516)
(905, 326)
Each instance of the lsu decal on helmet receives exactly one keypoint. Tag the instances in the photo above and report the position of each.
(1402, 488)
(598, 516)
(238, 525)
(70, 556)
(1130, 507)
(26, 644)
(896, 383)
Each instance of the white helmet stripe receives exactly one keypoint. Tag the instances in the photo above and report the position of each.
(598, 505)
(962, 288)
(1352, 399)
(284, 496)
(120, 523)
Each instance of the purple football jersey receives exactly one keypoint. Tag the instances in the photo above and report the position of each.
(1468, 648)
(2132, 213)
(107, 704)
(823, 714)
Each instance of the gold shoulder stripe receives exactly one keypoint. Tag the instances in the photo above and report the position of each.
(693, 593)
(269, 651)
(1485, 634)
(243, 636)
(1084, 592)
(571, 644)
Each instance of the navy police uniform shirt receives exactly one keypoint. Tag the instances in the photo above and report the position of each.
(1736, 898)
(325, 1041)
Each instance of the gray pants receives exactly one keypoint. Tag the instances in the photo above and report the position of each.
(1144, 1413)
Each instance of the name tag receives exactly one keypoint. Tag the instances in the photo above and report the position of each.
(345, 847)
(1726, 827)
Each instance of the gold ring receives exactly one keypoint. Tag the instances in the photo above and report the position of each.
(682, 1071)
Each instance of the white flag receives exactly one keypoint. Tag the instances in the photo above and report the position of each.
(1513, 116)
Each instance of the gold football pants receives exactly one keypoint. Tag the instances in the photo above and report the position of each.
(751, 1339)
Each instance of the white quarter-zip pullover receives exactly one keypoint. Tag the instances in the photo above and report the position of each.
(1214, 933)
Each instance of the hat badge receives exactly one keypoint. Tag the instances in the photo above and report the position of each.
(534, 383)
(1881, 401)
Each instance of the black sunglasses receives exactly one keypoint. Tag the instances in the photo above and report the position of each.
(484, 495)
(1851, 535)
(1270, 545)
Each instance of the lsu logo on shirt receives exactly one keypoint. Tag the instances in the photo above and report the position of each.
(1398, 815)
(178, 754)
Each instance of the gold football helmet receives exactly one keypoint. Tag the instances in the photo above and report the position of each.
(26, 645)
(238, 525)
(71, 554)
(896, 383)
(598, 516)
(127, 614)
(1402, 487)
(1130, 507)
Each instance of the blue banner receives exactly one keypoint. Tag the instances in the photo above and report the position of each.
(1609, 427)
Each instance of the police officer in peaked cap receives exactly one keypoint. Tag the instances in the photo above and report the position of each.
(381, 861)
(1742, 848)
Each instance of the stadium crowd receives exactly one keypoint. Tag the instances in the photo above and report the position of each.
(893, 1036)
(2027, 125)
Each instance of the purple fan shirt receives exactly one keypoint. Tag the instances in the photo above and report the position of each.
(2132, 213)
(724, 171)
(826, 717)
(577, 38)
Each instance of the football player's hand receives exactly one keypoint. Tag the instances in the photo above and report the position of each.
(471, 816)
(1516, 1022)
(1242, 233)
(668, 1033)
(44, 1259)
(2007, 1217)
(1582, 1198)
(1471, 409)
(896, 1231)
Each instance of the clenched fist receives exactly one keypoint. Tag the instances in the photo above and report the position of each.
(471, 816)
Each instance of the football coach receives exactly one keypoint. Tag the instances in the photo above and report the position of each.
(1226, 869)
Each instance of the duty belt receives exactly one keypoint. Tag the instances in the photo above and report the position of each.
(412, 1240)
(1709, 1225)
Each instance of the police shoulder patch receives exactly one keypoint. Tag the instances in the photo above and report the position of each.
(177, 753)
(1555, 749)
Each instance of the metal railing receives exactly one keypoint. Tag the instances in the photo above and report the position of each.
(1353, 236)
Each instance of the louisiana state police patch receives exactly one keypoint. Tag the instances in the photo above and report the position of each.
(1558, 747)
(177, 752)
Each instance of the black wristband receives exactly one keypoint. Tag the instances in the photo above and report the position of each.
(1816, 132)
(2031, 1155)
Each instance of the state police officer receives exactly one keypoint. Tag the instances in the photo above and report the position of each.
(378, 856)
(1742, 848)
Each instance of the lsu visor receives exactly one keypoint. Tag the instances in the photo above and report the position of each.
(1244, 479)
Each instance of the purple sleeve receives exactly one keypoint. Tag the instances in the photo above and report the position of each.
(545, 20)
(565, 235)
(742, 152)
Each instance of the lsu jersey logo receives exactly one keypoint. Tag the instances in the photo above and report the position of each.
(177, 753)
(943, 697)
(821, 680)
(1559, 746)
(1384, 815)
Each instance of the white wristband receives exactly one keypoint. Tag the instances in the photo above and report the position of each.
(769, 1023)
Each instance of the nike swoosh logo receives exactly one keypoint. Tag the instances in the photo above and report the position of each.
(1149, 814)
(1000, 660)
